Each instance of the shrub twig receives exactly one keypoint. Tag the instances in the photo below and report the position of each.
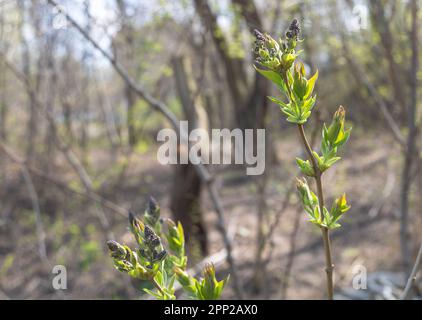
(412, 279)
(281, 67)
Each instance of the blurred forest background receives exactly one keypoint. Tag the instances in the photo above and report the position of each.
(82, 100)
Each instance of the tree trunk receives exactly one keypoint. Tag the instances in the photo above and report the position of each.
(129, 61)
(405, 239)
(382, 27)
(186, 207)
(31, 126)
(235, 75)
(187, 185)
(3, 86)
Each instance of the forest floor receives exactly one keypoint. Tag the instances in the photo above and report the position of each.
(76, 239)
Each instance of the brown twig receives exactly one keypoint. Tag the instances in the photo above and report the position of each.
(92, 196)
(292, 253)
(71, 158)
(411, 147)
(296, 222)
(361, 76)
(36, 207)
(329, 267)
(412, 279)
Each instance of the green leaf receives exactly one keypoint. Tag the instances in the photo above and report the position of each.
(309, 104)
(327, 218)
(271, 75)
(159, 277)
(288, 59)
(319, 159)
(279, 102)
(343, 137)
(334, 225)
(339, 207)
(288, 112)
(305, 167)
(311, 84)
(294, 119)
(299, 88)
(331, 161)
(309, 199)
(316, 214)
(152, 293)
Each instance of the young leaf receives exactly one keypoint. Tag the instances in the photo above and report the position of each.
(279, 102)
(305, 167)
(271, 75)
(311, 84)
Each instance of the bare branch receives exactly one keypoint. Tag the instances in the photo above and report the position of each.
(61, 184)
(36, 206)
(63, 147)
(412, 278)
(358, 72)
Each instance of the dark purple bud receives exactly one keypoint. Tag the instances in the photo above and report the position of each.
(152, 205)
(133, 221)
(155, 241)
(161, 255)
(259, 36)
(148, 232)
(143, 253)
(117, 251)
(112, 245)
(293, 31)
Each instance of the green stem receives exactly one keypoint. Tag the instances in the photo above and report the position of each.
(155, 283)
(311, 156)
